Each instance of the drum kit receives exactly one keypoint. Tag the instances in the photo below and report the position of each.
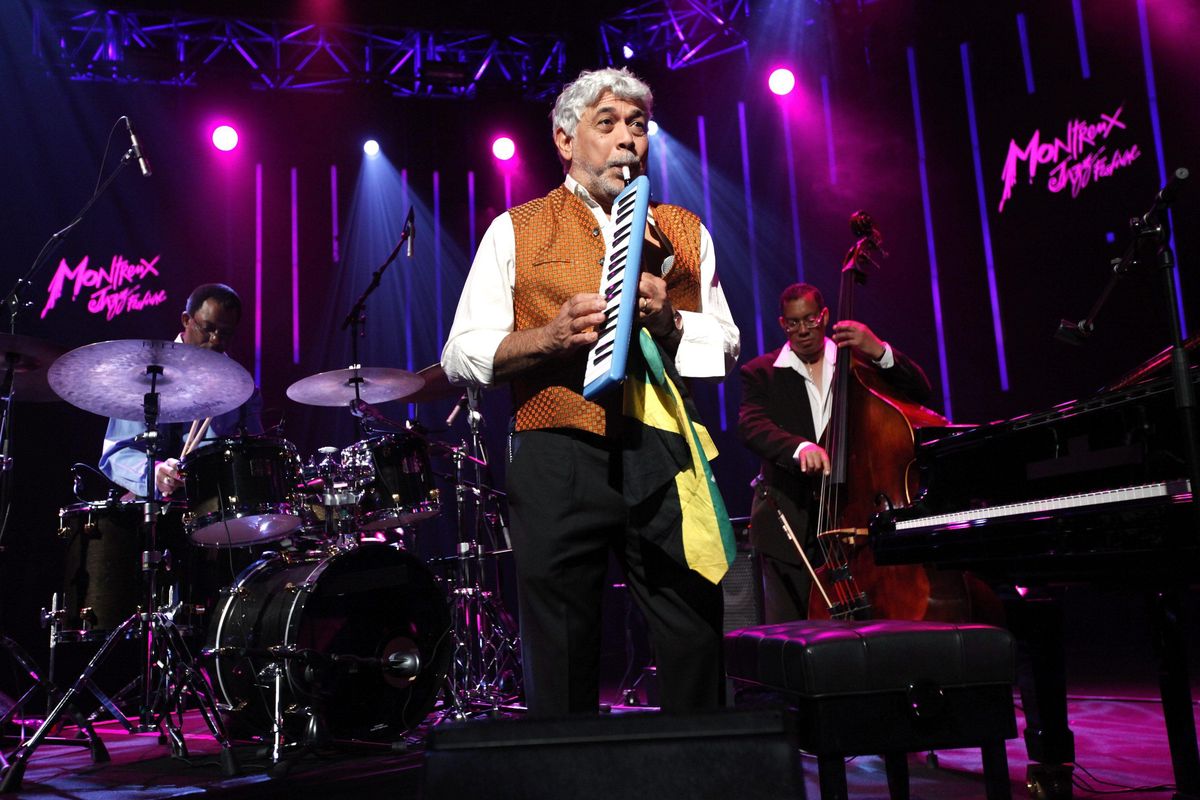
(333, 631)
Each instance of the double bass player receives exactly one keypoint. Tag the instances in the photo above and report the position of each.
(785, 409)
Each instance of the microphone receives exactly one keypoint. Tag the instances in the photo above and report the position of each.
(136, 149)
(1073, 332)
(411, 227)
(1167, 194)
(459, 406)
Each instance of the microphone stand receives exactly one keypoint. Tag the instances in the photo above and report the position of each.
(1152, 231)
(14, 300)
(357, 318)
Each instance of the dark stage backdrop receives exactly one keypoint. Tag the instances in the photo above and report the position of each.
(901, 110)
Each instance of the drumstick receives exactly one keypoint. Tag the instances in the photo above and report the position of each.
(194, 436)
(187, 442)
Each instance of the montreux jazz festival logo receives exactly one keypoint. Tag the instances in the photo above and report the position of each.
(115, 289)
(1084, 155)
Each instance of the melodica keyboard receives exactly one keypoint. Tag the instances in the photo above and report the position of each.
(607, 360)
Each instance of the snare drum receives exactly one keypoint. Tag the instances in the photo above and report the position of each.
(241, 492)
(102, 579)
(394, 481)
(364, 633)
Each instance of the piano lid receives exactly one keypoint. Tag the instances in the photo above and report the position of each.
(1154, 366)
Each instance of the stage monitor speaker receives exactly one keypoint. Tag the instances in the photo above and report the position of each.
(719, 755)
(742, 586)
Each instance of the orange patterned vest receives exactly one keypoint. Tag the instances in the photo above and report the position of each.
(559, 253)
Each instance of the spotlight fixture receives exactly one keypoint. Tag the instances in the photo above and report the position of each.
(782, 81)
(627, 51)
(371, 148)
(224, 138)
(503, 148)
(652, 128)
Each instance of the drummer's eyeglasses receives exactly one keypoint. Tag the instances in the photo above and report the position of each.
(809, 323)
(210, 331)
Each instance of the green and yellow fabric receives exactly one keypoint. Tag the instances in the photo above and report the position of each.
(674, 499)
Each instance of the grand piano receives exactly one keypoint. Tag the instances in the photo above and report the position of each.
(1095, 490)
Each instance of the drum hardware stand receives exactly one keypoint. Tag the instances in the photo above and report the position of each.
(11, 771)
(316, 734)
(167, 654)
(485, 673)
(357, 318)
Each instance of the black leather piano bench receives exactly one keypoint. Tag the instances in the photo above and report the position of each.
(885, 687)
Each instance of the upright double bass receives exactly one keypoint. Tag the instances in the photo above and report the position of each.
(870, 440)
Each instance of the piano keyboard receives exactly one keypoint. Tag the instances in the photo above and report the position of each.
(606, 361)
(1178, 490)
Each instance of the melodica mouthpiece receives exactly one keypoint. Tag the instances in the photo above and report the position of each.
(625, 176)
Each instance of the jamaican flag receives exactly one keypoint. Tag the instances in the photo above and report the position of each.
(674, 500)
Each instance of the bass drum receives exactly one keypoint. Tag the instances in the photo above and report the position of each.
(364, 634)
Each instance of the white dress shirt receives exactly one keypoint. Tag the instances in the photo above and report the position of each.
(709, 347)
(820, 395)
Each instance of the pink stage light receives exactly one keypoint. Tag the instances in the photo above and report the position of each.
(504, 148)
(224, 138)
(782, 81)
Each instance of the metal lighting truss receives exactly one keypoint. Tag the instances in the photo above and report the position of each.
(180, 49)
(688, 32)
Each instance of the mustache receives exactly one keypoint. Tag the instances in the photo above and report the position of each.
(634, 165)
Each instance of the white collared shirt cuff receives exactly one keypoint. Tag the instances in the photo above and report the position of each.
(888, 359)
(800, 449)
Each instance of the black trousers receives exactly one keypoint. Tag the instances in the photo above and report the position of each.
(567, 512)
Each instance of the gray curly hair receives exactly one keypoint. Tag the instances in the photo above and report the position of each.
(585, 90)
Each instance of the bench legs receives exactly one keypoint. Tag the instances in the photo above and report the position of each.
(832, 772)
(896, 765)
(995, 771)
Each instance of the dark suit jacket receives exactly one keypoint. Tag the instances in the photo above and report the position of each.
(773, 420)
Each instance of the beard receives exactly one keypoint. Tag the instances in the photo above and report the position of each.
(603, 181)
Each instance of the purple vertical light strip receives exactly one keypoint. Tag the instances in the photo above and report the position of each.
(1156, 127)
(795, 201)
(708, 222)
(829, 148)
(664, 192)
(701, 129)
(508, 203)
(333, 212)
(751, 239)
(406, 272)
(295, 273)
(471, 210)
(1025, 59)
(934, 285)
(437, 258)
(1084, 68)
(989, 261)
(406, 282)
(258, 272)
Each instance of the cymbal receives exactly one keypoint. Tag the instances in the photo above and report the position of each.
(31, 359)
(336, 388)
(111, 378)
(436, 386)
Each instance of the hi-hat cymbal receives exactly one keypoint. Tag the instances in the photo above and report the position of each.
(111, 379)
(436, 386)
(336, 388)
(31, 358)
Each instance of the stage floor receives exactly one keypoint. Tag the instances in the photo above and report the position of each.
(1121, 746)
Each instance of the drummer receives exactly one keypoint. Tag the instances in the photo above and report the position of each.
(209, 320)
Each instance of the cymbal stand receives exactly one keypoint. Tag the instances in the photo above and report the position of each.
(169, 671)
(485, 673)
